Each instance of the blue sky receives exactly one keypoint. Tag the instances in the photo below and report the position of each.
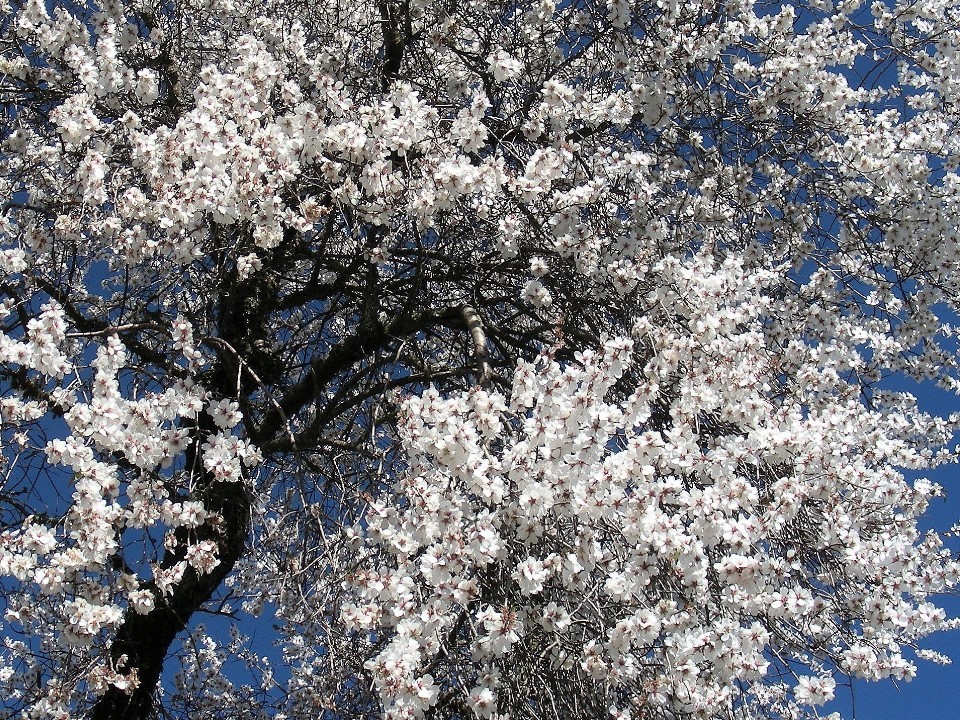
(935, 693)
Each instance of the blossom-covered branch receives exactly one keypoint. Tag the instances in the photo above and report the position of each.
(529, 360)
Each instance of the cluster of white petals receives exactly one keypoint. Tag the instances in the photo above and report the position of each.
(677, 547)
(543, 359)
(116, 451)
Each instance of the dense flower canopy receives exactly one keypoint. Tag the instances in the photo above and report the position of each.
(529, 360)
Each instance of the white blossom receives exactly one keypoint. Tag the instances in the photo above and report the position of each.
(540, 359)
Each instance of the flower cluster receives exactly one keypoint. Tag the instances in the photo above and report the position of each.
(118, 452)
(710, 244)
(675, 546)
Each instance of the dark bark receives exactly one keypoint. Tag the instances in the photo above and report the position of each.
(395, 24)
(145, 639)
(142, 642)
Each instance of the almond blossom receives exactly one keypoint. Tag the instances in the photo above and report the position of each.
(530, 360)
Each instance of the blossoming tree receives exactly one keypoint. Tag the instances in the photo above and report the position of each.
(530, 360)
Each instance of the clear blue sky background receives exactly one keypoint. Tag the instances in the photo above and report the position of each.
(935, 693)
